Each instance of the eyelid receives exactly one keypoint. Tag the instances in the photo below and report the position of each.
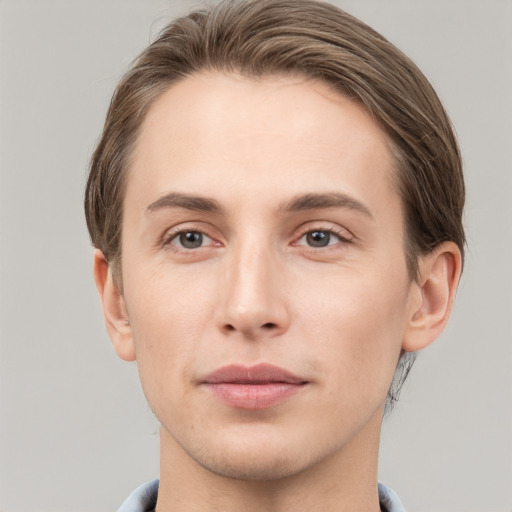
(345, 235)
(342, 233)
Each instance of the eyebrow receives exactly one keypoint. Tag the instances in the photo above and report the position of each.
(186, 201)
(315, 201)
(301, 202)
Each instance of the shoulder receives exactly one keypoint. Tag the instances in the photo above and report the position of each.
(389, 500)
(142, 499)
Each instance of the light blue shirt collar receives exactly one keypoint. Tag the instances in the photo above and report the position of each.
(143, 499)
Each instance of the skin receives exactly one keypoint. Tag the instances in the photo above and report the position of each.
(256, 290)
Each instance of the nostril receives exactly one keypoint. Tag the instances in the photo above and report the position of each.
(268, 326)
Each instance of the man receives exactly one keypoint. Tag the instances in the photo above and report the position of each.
(276, 204)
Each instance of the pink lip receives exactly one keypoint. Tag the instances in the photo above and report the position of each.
(253, 387)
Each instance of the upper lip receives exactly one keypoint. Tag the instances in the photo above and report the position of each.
(257, 374)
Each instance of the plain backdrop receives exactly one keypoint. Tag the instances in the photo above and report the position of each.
(75, 432)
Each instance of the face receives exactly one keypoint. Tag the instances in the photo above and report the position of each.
(264, 276)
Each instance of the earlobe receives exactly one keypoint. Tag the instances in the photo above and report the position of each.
(114, 309)
(432, 296)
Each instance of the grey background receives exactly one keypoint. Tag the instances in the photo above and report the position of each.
(75, 432)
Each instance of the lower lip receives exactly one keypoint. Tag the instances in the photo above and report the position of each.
(254, 396)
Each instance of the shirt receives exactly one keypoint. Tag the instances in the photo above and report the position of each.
(143, 499)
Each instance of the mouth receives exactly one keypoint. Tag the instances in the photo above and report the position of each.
(253, 387)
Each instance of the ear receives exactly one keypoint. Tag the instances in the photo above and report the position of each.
(432, 296)
(114, 309)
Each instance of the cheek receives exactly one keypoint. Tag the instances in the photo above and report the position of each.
(356, 326)
(167, 300)
(169, 314)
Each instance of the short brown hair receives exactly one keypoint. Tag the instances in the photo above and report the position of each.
(259, 38)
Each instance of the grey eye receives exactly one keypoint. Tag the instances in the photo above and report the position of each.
(190, 239)
(319, 238)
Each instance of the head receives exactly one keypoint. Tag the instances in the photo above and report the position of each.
(255, 50)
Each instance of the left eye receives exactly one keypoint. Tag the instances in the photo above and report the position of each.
(190, 239)
(319, 238)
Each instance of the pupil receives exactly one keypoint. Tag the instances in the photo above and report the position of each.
(318, 238)
(191, 240)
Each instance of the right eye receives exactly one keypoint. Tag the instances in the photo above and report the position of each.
(190, 239)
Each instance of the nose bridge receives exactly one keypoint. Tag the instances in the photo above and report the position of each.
(253, 301)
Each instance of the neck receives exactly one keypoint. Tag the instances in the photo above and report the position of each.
(345, 480)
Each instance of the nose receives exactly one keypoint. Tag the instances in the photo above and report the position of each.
(253, 299)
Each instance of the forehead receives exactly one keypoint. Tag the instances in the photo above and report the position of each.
(232, 134)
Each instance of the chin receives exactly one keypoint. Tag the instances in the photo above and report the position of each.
(251, 466)
(249, 454)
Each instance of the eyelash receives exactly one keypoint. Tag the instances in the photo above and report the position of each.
(339, 234)
(168, 240)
